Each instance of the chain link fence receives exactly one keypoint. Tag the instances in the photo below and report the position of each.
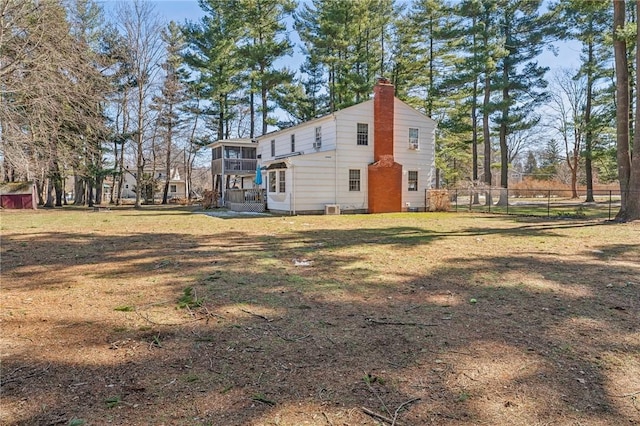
(532, 202)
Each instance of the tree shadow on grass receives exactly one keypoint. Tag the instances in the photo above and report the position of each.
(543, 341)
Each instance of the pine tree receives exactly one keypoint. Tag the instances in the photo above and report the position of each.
(263, 42)
(628, 164)
(172, 94)
(519, 79)
(349, 40)
(212, 55)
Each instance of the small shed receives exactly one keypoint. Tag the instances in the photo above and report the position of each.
(18, 195)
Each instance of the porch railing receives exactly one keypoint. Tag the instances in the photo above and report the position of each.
(245, 195)
(239, 165)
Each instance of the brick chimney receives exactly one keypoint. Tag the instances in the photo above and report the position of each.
(385, 175)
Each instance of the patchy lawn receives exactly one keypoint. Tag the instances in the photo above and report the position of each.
(170, 317)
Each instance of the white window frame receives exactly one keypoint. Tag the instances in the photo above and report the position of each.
(362, 134)
(354, 180)
(412, 180)
(414, 137)
(317, 144)
(272, 181)
(282, 181)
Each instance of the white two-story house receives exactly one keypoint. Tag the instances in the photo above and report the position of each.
(375, 157)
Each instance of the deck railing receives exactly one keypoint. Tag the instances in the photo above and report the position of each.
(245, 195)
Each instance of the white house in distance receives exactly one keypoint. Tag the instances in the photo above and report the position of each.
(177, 183)
(373, 157)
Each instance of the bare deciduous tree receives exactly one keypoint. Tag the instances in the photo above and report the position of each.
(141, 30)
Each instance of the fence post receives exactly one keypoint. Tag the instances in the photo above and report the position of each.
(548, 202)
(507, 190)
(456, 200)
(609, 204)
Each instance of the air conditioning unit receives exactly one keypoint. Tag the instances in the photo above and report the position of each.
(331, 209)
(414, 145)
(317, 145)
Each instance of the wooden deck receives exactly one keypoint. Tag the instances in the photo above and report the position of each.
(246, 200)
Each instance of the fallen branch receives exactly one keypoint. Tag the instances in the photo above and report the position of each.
(293, 339)
(263, 400)
(395, 414)
(34, 372)
(385, 322)
(367, 381)
(327, 418)
(626, 395)
(256, 315)
(379, 416)
(169, 324)
(469, 377)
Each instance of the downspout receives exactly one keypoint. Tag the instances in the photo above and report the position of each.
(292, 199)
(335, 160)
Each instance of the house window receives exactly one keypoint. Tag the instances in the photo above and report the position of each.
(173, 188)
(232, 152)
(272, 181)
(363, 134)
(126, 186)
(273, 147)
(217, 153)
(282, 183)
(413, 180)
(318, 141)
(293, 143)
(414, 138)
(354, 180)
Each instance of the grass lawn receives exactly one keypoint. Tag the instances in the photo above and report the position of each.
(167, 316)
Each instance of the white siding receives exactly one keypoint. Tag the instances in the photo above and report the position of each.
(305, 137)
(310, 184)
(352, 156)
(316, 178)
(422, 160)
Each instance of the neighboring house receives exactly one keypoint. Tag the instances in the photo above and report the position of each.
(375, 157)
(18, 195)
(177, 183)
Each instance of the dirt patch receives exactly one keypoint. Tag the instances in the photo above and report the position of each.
(137, 317)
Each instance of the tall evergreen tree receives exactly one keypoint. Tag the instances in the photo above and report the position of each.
(263, 42)
(520, 80)
(628, 163)
(172, 94)
(349, 40)
(212, 55)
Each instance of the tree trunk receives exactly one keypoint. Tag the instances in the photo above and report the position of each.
(622, 107)
(474, 127)
(588, 137)
(487, 137)
(631, 209)
(49, 202)
(167, 169)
